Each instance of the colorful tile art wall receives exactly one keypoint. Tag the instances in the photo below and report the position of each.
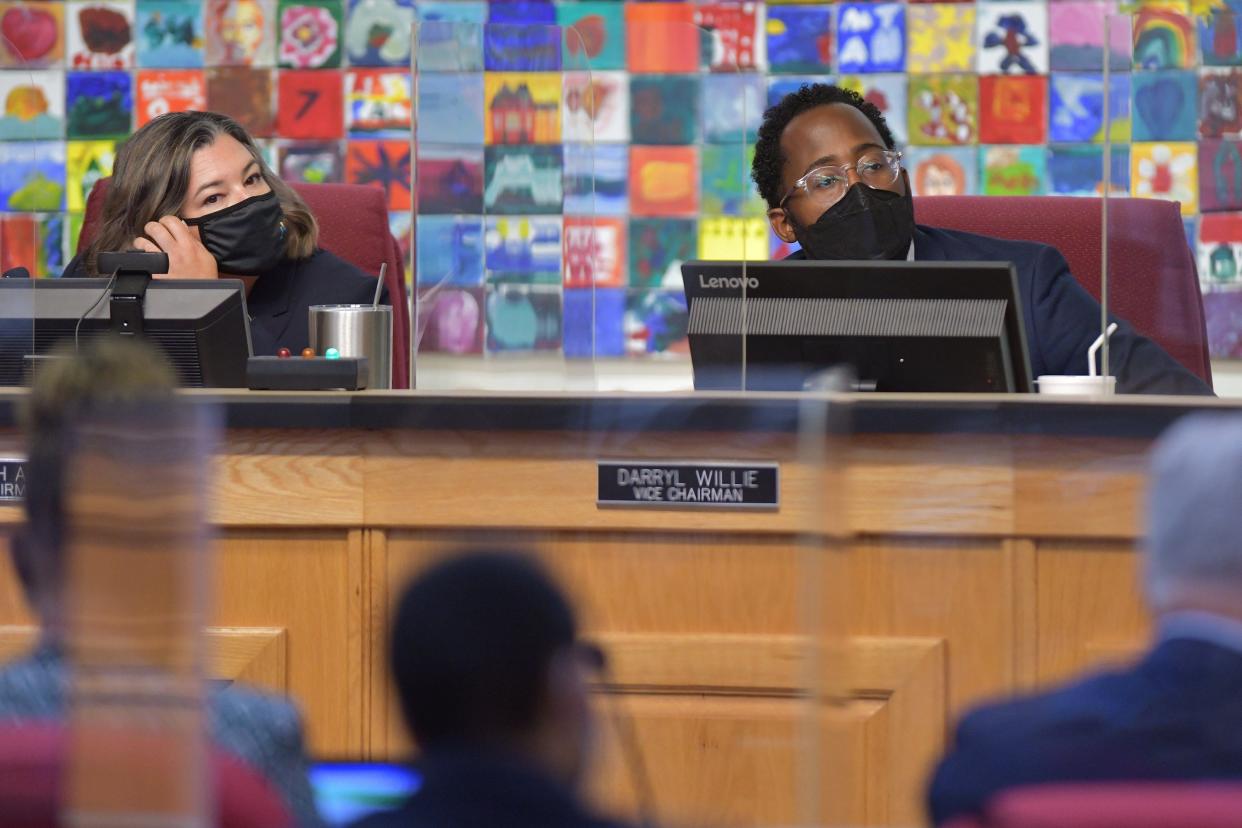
(519, 217)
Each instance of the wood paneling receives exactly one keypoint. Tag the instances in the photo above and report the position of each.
(970, 566)
(256, 657)
(308, 583)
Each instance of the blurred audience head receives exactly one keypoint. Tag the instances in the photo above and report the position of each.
(109, 370)
(1194, 543)
(485, 657)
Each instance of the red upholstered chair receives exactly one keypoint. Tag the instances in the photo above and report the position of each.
(353, 224)
(1153, 283)
(32, 761)
(1115, 805)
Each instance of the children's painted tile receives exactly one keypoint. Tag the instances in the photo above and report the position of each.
(656, 322)
(522, 249)
(311, 105)
(1220, 103)
(451, 108)
(1076, 107)
(594, 252)
(943, 170)
(1013, 109)
(594, 34)
(944, 109)
(664, 181)
(382, 164)
(1219, 251)
(1223, 312)
(661, 37)
(781, 85)
(240, 32)
(34, 105)
(1219, 35)
(310, 33)
(1220, 176)
(32, 176)
(522, 108)
(888, 93)
(723, 238)
(727, 188)
(451, 321)
(732, 108)
(664, 109)
(597, 179)
(169, 34)
(799, 39)
(941, 37)
(1013, 171)
(158, 91)
(658, 247)
(734, 41)
(1163, 38)
(523, 180)
(98, 104)
(449, 42)
(100, 34)
(1076, 36)
(246, 95)
(1166, 170)
(871, 37)
(85, 163)
(1078, 170)
(32, 34)
(450, 250)
(523, 318)
(523, 43)
(596, 107)
(594, 322)
(377, 103)
(1013, 38)
(1164, 106)
(377, 32)
(449, 179)
(311, 162)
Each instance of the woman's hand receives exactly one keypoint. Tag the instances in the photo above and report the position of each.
(187, 258)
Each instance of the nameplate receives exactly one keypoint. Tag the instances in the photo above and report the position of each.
(689, 484)
(12, 479)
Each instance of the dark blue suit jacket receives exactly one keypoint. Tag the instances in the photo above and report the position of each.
(471, 789)
(1176, 715)
(1061, 318)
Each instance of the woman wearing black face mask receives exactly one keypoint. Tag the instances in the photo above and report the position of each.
(194, 185)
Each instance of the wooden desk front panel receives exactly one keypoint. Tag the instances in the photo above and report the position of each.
(976, 566)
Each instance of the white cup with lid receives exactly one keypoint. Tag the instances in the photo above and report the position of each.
(1090, 385)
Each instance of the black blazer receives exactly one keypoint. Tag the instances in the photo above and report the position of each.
(467, 789)
(1176, 715)
(1061, 318)
(279, 302)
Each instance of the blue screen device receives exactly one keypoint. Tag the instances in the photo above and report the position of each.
(346, 791)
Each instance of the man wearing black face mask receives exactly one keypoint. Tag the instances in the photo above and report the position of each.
(827, 165)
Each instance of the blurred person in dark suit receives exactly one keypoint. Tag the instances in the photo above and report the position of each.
(262, 730)
(1177, 713)
(493, 686)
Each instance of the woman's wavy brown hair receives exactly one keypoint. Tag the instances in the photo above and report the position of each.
(152, 174)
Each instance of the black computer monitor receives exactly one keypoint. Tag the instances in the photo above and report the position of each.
(200, 324)
(900, 326)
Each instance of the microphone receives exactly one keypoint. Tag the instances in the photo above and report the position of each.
(16, 273)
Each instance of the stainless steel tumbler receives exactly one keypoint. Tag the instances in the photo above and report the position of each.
(356, 331)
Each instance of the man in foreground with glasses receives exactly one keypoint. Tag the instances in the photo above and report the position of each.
(827, 164)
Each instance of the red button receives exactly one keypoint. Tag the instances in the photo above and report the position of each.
(284, 353)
